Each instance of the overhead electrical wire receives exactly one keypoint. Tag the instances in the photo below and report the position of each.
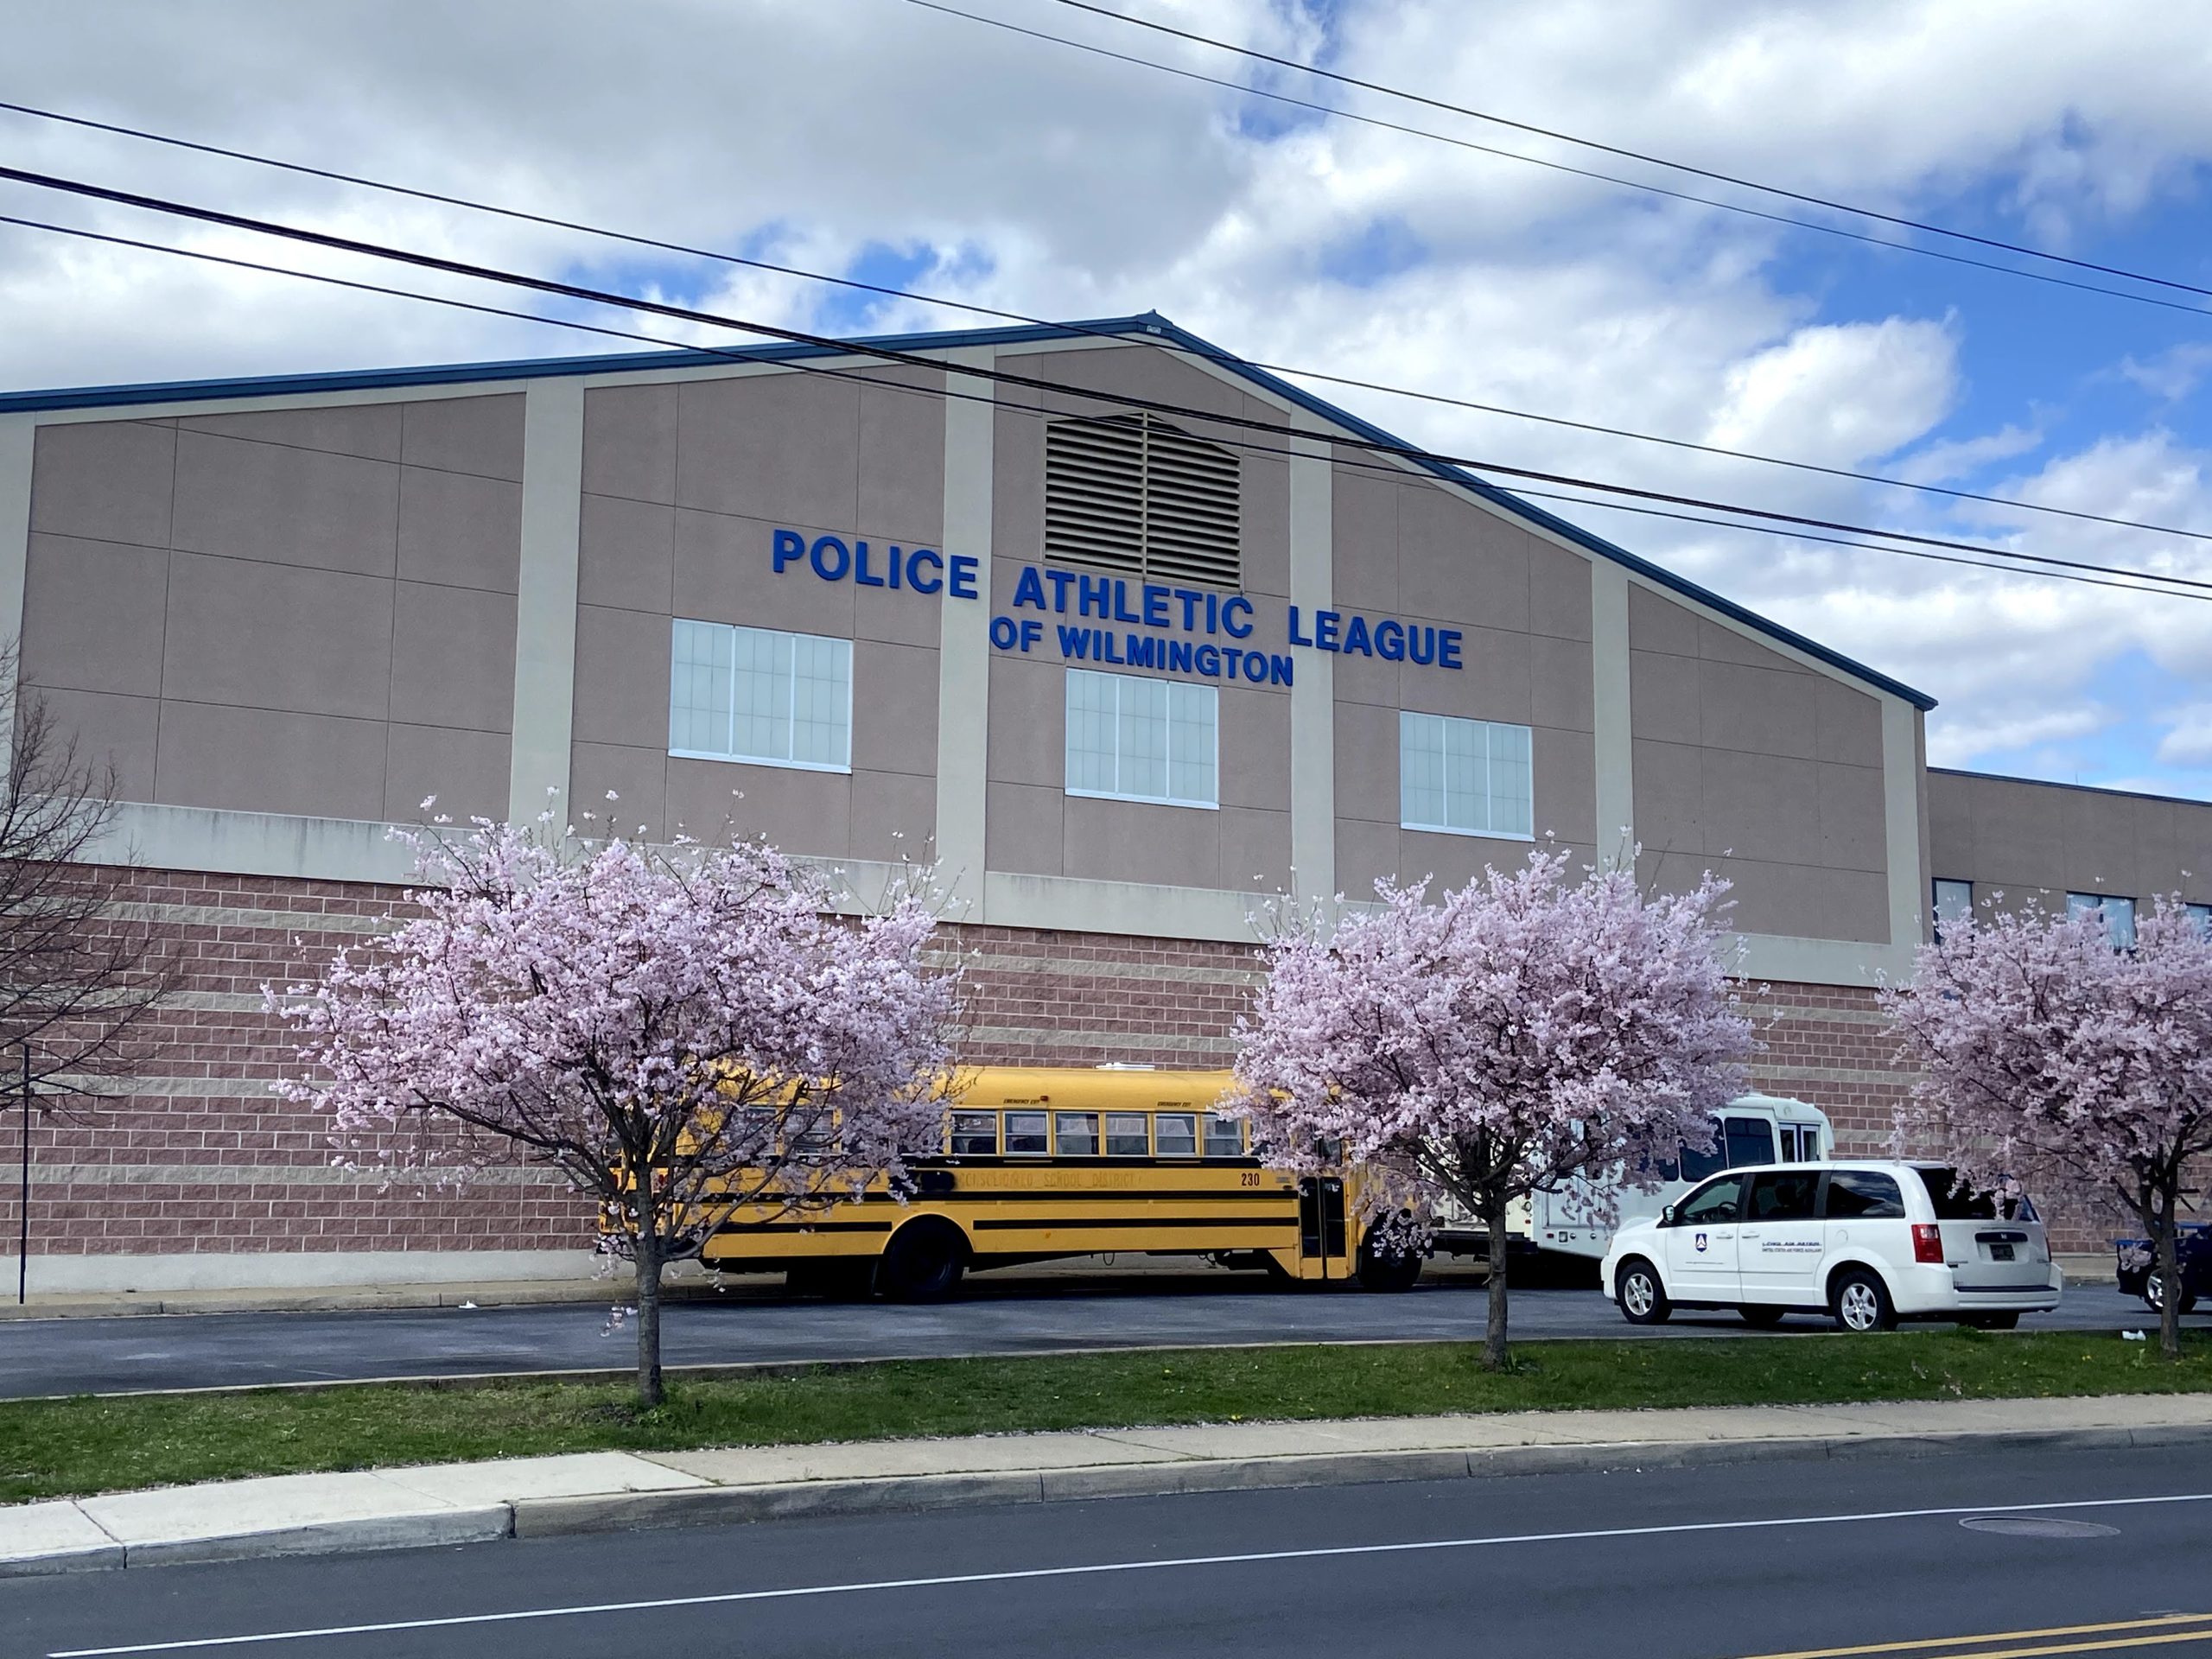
(1718, 177)
(892, 292)
(1743, 208)
(895, 354)
(2067, 571)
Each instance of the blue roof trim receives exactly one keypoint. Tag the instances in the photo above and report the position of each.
(1151, 324)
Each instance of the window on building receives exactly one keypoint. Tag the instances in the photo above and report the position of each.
(1465, 776)
(1132, 493)
(1953, 905)
(748, 694)
(2200, 917)
(1134, 738)
(2118, 914)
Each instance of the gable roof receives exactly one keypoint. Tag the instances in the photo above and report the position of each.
(1149, 326)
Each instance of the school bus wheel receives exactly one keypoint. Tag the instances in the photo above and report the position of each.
(923, 1262)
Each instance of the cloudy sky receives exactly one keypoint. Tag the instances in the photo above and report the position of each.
(877, 139)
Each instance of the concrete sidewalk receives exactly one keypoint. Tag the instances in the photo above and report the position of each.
(600, 1491)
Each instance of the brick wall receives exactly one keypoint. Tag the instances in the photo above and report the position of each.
(202, 1158)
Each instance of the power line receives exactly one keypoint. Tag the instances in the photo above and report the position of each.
(2065, 573)
(1635, 155)
(893, 354)
(887, 291)
(1743, 208)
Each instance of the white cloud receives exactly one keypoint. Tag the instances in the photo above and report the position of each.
(1840, 394)
(2188, 741)
(2173, 374)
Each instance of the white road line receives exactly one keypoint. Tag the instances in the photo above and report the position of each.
(794, 1591)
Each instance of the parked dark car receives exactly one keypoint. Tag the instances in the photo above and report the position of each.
(2139, 1266)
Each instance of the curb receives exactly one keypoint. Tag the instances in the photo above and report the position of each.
(555, 1517)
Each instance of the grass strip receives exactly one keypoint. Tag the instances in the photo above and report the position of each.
(56, 1448)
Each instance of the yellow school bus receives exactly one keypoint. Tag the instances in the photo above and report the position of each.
(1039, 1163)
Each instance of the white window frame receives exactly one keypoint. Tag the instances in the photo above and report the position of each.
(732, 755)
(1167, 750)
(1404, 822)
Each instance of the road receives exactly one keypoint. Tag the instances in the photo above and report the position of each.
(1870, 1556)
(1009, 1315)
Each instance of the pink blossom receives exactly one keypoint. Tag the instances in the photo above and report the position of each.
(601, 1008)
(1518, 1034)
(2047, 1056)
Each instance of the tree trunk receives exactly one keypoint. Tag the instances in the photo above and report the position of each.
(650, 1393)
(1494, 1350)
(2164, 1242)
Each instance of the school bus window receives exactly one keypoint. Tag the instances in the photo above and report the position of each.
(809, 1136)
(1176, 1135)
(1224, 1136)
(1025, 1132)
(1075, 1134)
(1125, 1135)
(975, 1135)
(754, 1135)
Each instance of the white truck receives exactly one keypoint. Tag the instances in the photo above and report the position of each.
(1550, 1236)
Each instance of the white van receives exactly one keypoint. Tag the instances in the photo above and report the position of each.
(1868, 1242)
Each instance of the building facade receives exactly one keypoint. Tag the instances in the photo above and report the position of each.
(1125, 635)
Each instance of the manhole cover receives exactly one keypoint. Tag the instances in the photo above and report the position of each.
(2037, 1526)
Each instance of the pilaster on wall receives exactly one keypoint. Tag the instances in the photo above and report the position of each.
(1904, 825)
(16, 433)
(1609, 667)
(1313, 693)
(545, 602)
(963, 686)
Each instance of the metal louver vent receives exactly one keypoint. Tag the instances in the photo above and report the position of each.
(1131, 493)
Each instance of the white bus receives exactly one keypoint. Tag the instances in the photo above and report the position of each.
(1550, 1230)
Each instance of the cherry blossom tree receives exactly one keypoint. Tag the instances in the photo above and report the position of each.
(1521, 1033)
(605, 1010)
(2049, 1057)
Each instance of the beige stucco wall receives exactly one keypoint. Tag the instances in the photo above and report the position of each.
(1033, 826)
(1760, 768)
(303, 611)
(2025, 839)
(684, 486)
(1411, 548)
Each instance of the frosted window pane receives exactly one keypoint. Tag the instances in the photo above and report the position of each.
(699, 688)
(1142, 731)
(1091, 731)
(1511, 801)
(1193, 738)
(1466, 782)
(1421, 769)
(822, 674)
(762, 726)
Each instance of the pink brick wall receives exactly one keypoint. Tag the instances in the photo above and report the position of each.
(214, 1162)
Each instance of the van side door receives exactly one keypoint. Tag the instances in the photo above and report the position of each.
(1782, 1241)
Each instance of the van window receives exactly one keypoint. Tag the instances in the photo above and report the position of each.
(1953, 1201)
(1750, 1141)
(1718, 1202)
(1782, 1196)
(1863, 1195)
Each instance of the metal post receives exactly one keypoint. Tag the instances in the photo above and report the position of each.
(24, 1203)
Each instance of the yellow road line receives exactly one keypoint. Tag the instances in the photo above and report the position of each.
(2162, 1622)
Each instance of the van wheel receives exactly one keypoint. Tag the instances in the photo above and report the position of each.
(1991, 1321)
(1763, 1315)
(923, 1262)
(1641, 1297)
(2154, 1293)
(1860, 1303)
(1391, 1270)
